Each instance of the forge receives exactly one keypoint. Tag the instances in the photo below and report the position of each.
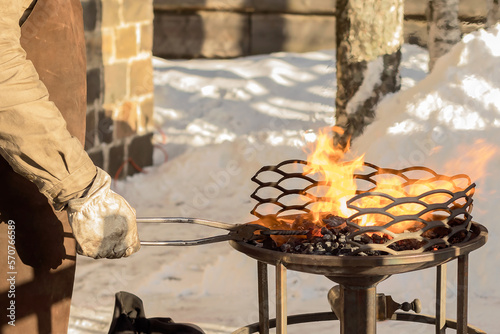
(387, 232)
(357, 229)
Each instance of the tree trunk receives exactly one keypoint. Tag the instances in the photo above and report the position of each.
(493, 13)
(369, 38)
(443, 26)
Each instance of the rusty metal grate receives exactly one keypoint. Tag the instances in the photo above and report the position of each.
(289, 190)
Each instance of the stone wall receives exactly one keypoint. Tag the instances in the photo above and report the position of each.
(234, 28)
(119, 38)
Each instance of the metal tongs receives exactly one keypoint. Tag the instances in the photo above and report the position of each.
(237, 232)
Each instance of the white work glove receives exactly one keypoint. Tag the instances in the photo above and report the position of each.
(104, 224)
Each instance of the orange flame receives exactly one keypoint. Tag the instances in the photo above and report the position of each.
(341, 186)
(473, 159)
(338, 177)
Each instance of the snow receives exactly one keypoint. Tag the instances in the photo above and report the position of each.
(219, 121)
(372, 79)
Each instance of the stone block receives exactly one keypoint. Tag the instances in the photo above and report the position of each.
(205, 34)
(89, 14)
(126, 42)
(93, 85)
(295, 6)
(90, 129)
(104, 127)
(137, 10)
(174, 5)
(474, 9)
(115, 82)
(93, 44)
(292, 33)
(116, 158)
(146, 121)
(111, 10)
(146, 44)
(97, 157)
(415, 32)
(140, 151)
(415, 8)
(108, 45)
(141, 77)
(125, 122)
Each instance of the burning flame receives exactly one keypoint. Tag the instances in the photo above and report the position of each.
(473, 159)
(326, 161)
(341, 186)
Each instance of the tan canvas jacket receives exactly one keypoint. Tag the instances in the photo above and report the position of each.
(33, 135)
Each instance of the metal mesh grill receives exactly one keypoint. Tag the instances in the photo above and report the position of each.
(288, 190)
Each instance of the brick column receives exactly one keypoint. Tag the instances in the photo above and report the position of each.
(120, 83)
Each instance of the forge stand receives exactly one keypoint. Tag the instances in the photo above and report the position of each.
(357, 304)
(362, 319)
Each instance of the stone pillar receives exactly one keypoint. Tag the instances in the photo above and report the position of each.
(120, 85)
(92, 27)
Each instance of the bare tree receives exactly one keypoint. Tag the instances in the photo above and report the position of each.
(443, 26)
(369, 38)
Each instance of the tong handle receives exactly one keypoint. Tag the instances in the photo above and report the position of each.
(195, 242)
(181, 220)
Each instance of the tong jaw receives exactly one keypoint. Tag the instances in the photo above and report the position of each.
(246, 232)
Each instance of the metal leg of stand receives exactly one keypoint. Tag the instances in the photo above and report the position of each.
(281, 317)
(263, 297)
(441, 299)
(462, 293)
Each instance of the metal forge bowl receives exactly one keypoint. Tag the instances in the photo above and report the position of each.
(358, 276)
(363, 269)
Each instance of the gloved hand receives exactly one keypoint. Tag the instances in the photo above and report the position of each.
(104, 224)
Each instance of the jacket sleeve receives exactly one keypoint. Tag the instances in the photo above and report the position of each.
(33, 134)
